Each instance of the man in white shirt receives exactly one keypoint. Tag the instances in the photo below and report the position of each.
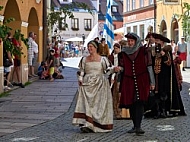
(182, 50)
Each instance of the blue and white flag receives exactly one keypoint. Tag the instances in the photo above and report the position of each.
(108, 32)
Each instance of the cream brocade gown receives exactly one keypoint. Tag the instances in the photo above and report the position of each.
(94, 103)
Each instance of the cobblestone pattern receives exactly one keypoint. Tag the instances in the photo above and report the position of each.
(61, 129)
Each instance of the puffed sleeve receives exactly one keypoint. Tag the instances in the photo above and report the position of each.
(107, 66)
(81, 71)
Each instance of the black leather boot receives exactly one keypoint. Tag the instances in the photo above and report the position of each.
(157, 115)
(139, 131)
(163, 114)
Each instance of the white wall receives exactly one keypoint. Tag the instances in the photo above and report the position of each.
(68, 33)
(188, 54)
(146, 23)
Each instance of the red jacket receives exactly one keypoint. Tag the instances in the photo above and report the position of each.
(135, 82)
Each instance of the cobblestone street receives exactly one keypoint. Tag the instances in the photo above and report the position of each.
(60, 129)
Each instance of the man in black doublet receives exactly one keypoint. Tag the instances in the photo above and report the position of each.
(166, 99)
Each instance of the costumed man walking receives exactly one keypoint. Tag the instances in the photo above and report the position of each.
(115, 81)
(167, 95)
(137, 79)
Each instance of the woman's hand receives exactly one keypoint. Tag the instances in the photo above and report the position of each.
(152, 87)
(112, 81)
(117, 69)
(80, 83)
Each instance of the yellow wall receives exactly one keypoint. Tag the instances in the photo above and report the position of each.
(28, 17)
(166, 12)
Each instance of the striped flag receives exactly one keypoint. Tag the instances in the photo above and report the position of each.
(108, 33)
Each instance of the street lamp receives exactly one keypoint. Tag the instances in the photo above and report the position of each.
(83, 38)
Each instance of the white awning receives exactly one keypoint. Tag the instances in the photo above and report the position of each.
(74, 39)
(119, 31)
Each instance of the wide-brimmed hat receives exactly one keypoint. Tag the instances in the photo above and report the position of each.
(131, 36)
(161, 37)
(148, 35)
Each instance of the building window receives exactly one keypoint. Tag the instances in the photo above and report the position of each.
(87, 24)
(128, 29)
(151, 2)
(128, 5)
(172, 1)
(142, 31)
(141, 3)
(135, 29)
(75, 24)
(62, 24)
(133, 4)
(114, 9)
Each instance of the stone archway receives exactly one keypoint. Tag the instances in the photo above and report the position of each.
(33, 22)
(33, 26)
(14, 25)
(12, 4)
(163, 28)
(175, 30)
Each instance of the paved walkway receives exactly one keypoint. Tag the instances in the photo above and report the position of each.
(42, 112)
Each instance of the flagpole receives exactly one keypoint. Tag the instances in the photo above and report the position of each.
(108, 33)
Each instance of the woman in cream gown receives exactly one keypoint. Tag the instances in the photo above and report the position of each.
(94, 110)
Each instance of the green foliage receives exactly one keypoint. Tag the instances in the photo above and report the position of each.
(4, 29)
(56, 15)
(5, 94)
(185, 17)
(27, 83)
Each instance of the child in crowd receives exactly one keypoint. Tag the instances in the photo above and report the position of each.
(51, 65)
(42, 71)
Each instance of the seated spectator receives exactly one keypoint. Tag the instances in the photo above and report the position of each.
(57, 74)
(42, 71)
(51, 64)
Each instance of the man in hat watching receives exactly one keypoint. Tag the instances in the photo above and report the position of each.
(182, 49)
(167, 101)
(137, 79)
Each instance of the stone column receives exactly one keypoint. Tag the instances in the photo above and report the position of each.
(1, 61)
(24, 58)
(40, 45)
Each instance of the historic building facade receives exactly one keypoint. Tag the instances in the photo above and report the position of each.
(139, 16)
(117, 16)
(168, 21)
(80, 25)
(28, 16)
